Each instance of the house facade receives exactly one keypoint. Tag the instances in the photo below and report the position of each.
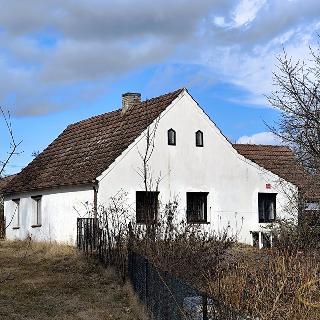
(156, 151)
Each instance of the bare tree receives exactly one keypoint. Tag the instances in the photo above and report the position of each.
(297, 97)
(13, 144)
(11, 152)
(145, 172)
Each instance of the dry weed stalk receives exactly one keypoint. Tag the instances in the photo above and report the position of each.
(267, 284)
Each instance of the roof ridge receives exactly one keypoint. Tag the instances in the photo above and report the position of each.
(119, 109)
(261, 145)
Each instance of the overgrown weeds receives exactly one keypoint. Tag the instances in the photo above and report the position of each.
(278, 283)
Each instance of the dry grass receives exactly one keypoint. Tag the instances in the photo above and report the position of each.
(269, 284)
(50, 281)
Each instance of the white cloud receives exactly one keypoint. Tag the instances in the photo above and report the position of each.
(260, 138)
(246, 11)
(234, 41)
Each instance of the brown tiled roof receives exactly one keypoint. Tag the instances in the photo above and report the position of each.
(86, 148)
(4, 181)
(281, 161)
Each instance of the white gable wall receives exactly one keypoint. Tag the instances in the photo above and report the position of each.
(232, 181)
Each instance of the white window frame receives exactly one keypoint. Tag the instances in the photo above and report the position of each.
(16, 214)
(37, 206)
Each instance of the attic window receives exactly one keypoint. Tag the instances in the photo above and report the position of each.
(171, 137)
(267, 207)
(146, 206)
(199, 138)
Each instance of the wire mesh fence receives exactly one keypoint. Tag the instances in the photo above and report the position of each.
(166, 297)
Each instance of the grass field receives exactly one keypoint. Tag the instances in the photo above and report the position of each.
(49, 281)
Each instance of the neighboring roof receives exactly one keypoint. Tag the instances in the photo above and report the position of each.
(86, 148)
(281, 161)
(4, 181)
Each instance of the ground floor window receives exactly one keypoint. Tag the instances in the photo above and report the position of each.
(146, 206)
(262, 239)
(311, 214)
(197, 207)
(37, 211)
(267, 207)
(16, 213)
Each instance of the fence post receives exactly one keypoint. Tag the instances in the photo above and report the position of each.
(146, 265)
(205, 307)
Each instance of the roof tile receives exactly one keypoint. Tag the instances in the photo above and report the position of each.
(281, 161)
(86, 148)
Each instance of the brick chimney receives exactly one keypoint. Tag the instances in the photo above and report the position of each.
(129, 99)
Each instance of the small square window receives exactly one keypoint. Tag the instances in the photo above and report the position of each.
(199, 138)
(146, 206)
(37, 211)
(267, 207)
(171, 137)
(197, 207)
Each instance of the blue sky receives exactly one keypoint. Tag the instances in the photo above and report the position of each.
(63, 61)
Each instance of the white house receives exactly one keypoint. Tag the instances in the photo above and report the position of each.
(239, 187)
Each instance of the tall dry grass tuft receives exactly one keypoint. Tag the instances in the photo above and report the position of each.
(267, 284)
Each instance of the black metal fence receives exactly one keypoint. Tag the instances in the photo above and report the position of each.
(168, 297)
(87, 237)
(165, 296)
(93, 240)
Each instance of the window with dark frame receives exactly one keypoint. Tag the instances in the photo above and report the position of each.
(199, 138)
(171, 137)
(37, 211)
(267, 207)
(16, 214)
(197, 207)
(311, 214)
(146, 206)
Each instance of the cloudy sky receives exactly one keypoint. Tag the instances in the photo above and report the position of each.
(64, 60)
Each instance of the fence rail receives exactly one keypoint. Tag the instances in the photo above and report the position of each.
(165, 296)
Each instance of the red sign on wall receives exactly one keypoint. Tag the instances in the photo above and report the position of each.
(268, 186)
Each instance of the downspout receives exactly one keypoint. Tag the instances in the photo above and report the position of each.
(95, 199)
(95, 213)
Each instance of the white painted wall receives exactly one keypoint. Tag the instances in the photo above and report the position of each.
(59, 214)
(232, 181)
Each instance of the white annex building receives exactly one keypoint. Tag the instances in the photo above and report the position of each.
(238, 187)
